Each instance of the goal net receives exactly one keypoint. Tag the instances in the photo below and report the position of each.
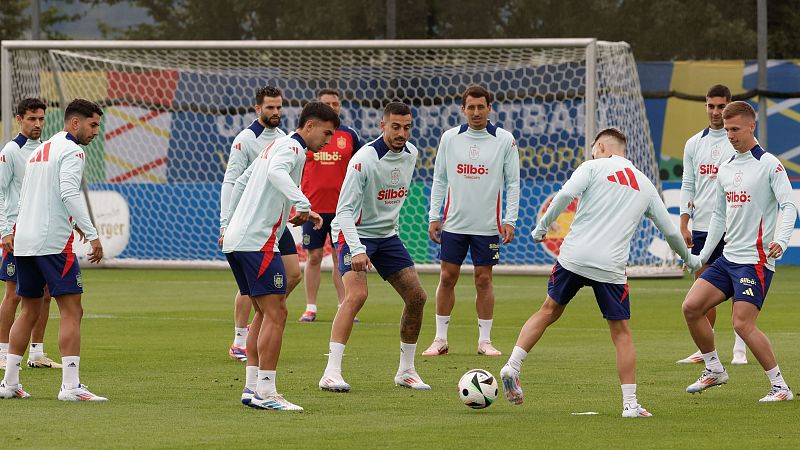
(172, 110)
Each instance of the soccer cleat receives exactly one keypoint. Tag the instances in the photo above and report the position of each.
(333, 383)
(486, 348)
(439, 347)
(511, 385)
(247, 396)
(43, 363)
(14, 391)
(79, 394)
(308, 316)
(778, 394)
(410, 379)
(634, 411)
(274, 402)
(708, 379)
(694, 358)
(238, 353)
(739, 358)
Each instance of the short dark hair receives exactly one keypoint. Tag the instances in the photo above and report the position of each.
(738, 108)
(29, 104)
(319, 111)
(476, 91)
(82, 107)
(328, 91)
(719, 90)
(397, 108)
(267, 91)
(614, 133)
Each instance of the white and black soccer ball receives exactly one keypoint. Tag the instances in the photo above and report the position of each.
(477, 388)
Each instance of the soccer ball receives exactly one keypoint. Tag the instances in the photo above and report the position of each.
(477, 389)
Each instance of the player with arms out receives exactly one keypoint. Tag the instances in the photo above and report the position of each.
(245, 149)
(13, 158)
(702, 155)
(614, 195)
(751, 187)
(322, 182)
(475, 163)
(261, 203)
(50, 203)
(374, 190)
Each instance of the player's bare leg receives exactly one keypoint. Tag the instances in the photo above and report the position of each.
(699, 300)
(19, 336)
(445, 301)
(337, 279)
(711, 315)
(626, 368)
(8, 310)
(241, 316)
(406, 283)
(484, 305)
(355, 295)
(251, 371)
(291, 264)
(36, 357)
(312, 281)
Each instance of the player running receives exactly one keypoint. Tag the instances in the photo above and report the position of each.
(750, 188)
(614, 195)
(375, 188)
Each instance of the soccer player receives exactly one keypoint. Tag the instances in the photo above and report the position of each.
(245, 149)
(475, 163)
(702, 155)
(322, 182)
(13, 157)
(50, 203)
(374, 190)
(614, 195)
(750, 188)
(268, 189)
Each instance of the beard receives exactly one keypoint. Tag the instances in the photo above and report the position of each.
(271, 121)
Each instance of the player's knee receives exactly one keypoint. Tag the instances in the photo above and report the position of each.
(416, 299)
(691, 310)
(743, 327)
(293, 279)
(356, 299)
(314, 258)
(448, 279)
(483, 281)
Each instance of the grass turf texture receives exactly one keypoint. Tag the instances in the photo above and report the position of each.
(155, 343)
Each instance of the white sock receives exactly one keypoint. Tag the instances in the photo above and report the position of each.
(251, 377)
(776, 378)
(441, 327)
(712, 361)
(240, 337)
(738, 344)
(13, 363)
(266, 383)
(407, 352)
(336, 350)
(69, 374)
(629, 395)
(36, 351)
(3, 350)
(310, 307)
(484, 330)
(517, 357)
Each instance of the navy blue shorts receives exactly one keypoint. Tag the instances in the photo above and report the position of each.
(388, 255)
(316, 238)
(286, 243)
(699, 241)
(485, 250)
(258, 273)
(60, 273)
(8, 270)
(613, 299)
(744, 282)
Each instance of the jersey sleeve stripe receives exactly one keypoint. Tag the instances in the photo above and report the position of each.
(499, 226)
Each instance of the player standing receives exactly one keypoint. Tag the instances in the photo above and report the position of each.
(374, 190)
(246, 147)
(474, 164)
(30, 118)
(268, 189)
(322, 182)
(750, 188)
(702, 155)
(614, 195)
(50, 202)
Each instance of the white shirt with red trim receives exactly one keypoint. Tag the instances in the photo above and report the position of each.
(13, 159)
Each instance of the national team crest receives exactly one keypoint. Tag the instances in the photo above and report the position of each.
(79, 280)
(737, 179)
(474, 152)
(348, 259)
(341, 142)
(306, 239)
(277, 280)
(715, 152)
(10, 269)
(395, 177)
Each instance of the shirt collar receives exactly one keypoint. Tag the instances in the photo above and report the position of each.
(382, 149)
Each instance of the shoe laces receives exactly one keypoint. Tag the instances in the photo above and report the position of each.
(775, 390)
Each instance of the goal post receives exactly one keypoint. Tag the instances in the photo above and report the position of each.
(172, 109)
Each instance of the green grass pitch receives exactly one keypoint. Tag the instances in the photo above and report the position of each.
(155, 343)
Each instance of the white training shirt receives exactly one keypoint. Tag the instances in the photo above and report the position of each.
(13, 159)
(702, 155)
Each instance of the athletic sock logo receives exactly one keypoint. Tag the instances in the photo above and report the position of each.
(72, 364)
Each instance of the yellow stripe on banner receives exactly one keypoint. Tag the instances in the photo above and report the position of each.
(139, 123)
(91, 85)
(788, 112)
(128, 166)
(789, 164)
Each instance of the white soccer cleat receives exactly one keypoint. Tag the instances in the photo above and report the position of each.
(410, 379)
(247, 396)
(632, 411)
(708, 379)
(778, 394)
(333, 383)
(439, 347)
(79, 394)
(486, 348)
(274, 402)
(44, 362)
(694, 358)
(511, 385)
(739, 358)
(13, 391)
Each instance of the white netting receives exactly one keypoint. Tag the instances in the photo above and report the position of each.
(171, 114)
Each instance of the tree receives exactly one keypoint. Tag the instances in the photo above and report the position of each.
(15, 19)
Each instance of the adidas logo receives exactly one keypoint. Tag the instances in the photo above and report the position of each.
(713, 358)
(72, 364)
(265, 379)
(748, 291)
